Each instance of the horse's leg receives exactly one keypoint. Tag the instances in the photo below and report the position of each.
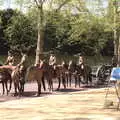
(39, 87)
(3, 88)
(21, 87)
(90, 79)
(67, 80)
(59, 82)
(86, 79)
(75, 76)
(79, 80)
(63, 82)
(6, 87)
(43, 83)
(10, 85)
(15, 89)
(70, 78)
(51, 84)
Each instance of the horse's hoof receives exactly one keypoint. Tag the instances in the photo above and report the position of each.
(38, 94)
(58, 89)
(15, 94)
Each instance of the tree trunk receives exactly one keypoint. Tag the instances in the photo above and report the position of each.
(119, 53)
(115, 43)
(39, 49)
(40, 41)
(115, 33)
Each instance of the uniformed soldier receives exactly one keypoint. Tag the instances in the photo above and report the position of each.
(52, 60)
(10, 59)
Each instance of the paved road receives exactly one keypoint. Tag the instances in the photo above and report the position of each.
(69, 104)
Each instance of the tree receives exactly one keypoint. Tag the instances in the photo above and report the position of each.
(5, 17)
(114, 15)
(20, 33)
(41, 23)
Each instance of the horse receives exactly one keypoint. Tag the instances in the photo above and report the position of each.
(49, 74)
(5, 77)
(72, 72)
(84, 71)
(18, 82)
(34, 73)
(61, 72)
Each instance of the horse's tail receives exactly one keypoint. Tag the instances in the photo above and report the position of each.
(29, 73)
(15, 74)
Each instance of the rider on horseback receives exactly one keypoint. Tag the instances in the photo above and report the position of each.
(52, 60)
(10, 59)
(81, 61)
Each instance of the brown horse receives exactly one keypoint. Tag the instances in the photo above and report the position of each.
(16, 78)
(5, 77)
(35, 74)
(61, 72)
(48, 74)
(72, 72)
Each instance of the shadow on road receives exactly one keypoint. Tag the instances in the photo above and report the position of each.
(34, 94)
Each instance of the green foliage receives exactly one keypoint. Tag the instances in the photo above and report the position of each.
(70, 26)
(20, 33)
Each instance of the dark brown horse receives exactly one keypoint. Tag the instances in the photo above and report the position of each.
(72, 72)
(5, 77)
(61, 72)
(84, 74)
(48, 74)
(15, 75)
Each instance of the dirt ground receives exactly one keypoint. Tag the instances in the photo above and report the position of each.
(70, 104)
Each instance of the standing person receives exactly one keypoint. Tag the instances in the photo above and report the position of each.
(10, 59)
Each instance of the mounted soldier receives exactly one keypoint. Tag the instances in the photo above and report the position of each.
(10, 59)
(52, 61)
